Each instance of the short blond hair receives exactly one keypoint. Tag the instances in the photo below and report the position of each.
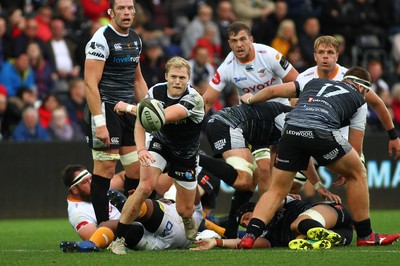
(326, 40)
(178, 62)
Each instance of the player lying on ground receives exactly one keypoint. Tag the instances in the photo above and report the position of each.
(297, 224)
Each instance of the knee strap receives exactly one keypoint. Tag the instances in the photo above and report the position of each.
(240, 164)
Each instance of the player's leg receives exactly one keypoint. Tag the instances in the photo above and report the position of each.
(263, 159)
(314, 222)
(357, 192)
(129, 160)
(241, 160)
(104, 169)
(281, 184)
(185, 196)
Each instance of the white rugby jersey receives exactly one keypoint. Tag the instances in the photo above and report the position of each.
(169, 235)
(266, 69)
(312, 73)
(171, 232)
(81, 213)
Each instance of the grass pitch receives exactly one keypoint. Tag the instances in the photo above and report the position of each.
(36, 242)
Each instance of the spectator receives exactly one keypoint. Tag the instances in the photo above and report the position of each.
(43, 71)
(195, 29)
(153, 62)
(24, 97)
(311, 30)
(375, 68)
(76, 101)
(29, 36)
(49, 104)
(16, 22)
(249, 10)
(265, 30)
(161, 13)
(43, 19)
(200, 66)
(81, 43)
(365, 20)
(295, 57)
(8, 118)
(334, 19)
(5, 42)
(17, 73)
(61, 129)
(68, 11)
(94, 9)
(381, 87)
(62, 55)
(224, 17)
(208, 41)
(285, 37)
(29, 129)
(344, 58)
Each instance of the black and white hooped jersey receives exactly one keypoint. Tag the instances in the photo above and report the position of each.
(268, 68)
(121, 53)
(261, 123)
(183, 136)
(328, 105)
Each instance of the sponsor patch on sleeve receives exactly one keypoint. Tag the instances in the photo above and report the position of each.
(284, 63)
(216, 79)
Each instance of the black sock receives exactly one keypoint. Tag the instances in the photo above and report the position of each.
(255, 227)
(122, 229)
(307, 224)
(346, 233)
(363, 228)
(238, 199)
(133, 235)
(219, 168)
(98, 195)
(130, 184)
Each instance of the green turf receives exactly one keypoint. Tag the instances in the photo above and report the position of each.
(36, 242)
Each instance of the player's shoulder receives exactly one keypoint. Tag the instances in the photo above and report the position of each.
(309, 73)
(266, 51)
(193, 94)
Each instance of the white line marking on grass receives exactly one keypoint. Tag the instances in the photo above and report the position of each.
(28, 250)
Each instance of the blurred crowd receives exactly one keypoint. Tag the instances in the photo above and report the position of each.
(42, 50)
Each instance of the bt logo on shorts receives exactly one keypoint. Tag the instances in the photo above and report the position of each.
(189, 174)
(114, 140)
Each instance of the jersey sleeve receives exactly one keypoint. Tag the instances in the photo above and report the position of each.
(220, 78)
(194, 105)
(97, 48)
(280, 65)
(78, 220)
(359, 119)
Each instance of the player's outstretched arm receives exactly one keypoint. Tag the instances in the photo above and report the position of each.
(284, 90)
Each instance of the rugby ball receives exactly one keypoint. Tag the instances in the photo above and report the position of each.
(151, 115)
